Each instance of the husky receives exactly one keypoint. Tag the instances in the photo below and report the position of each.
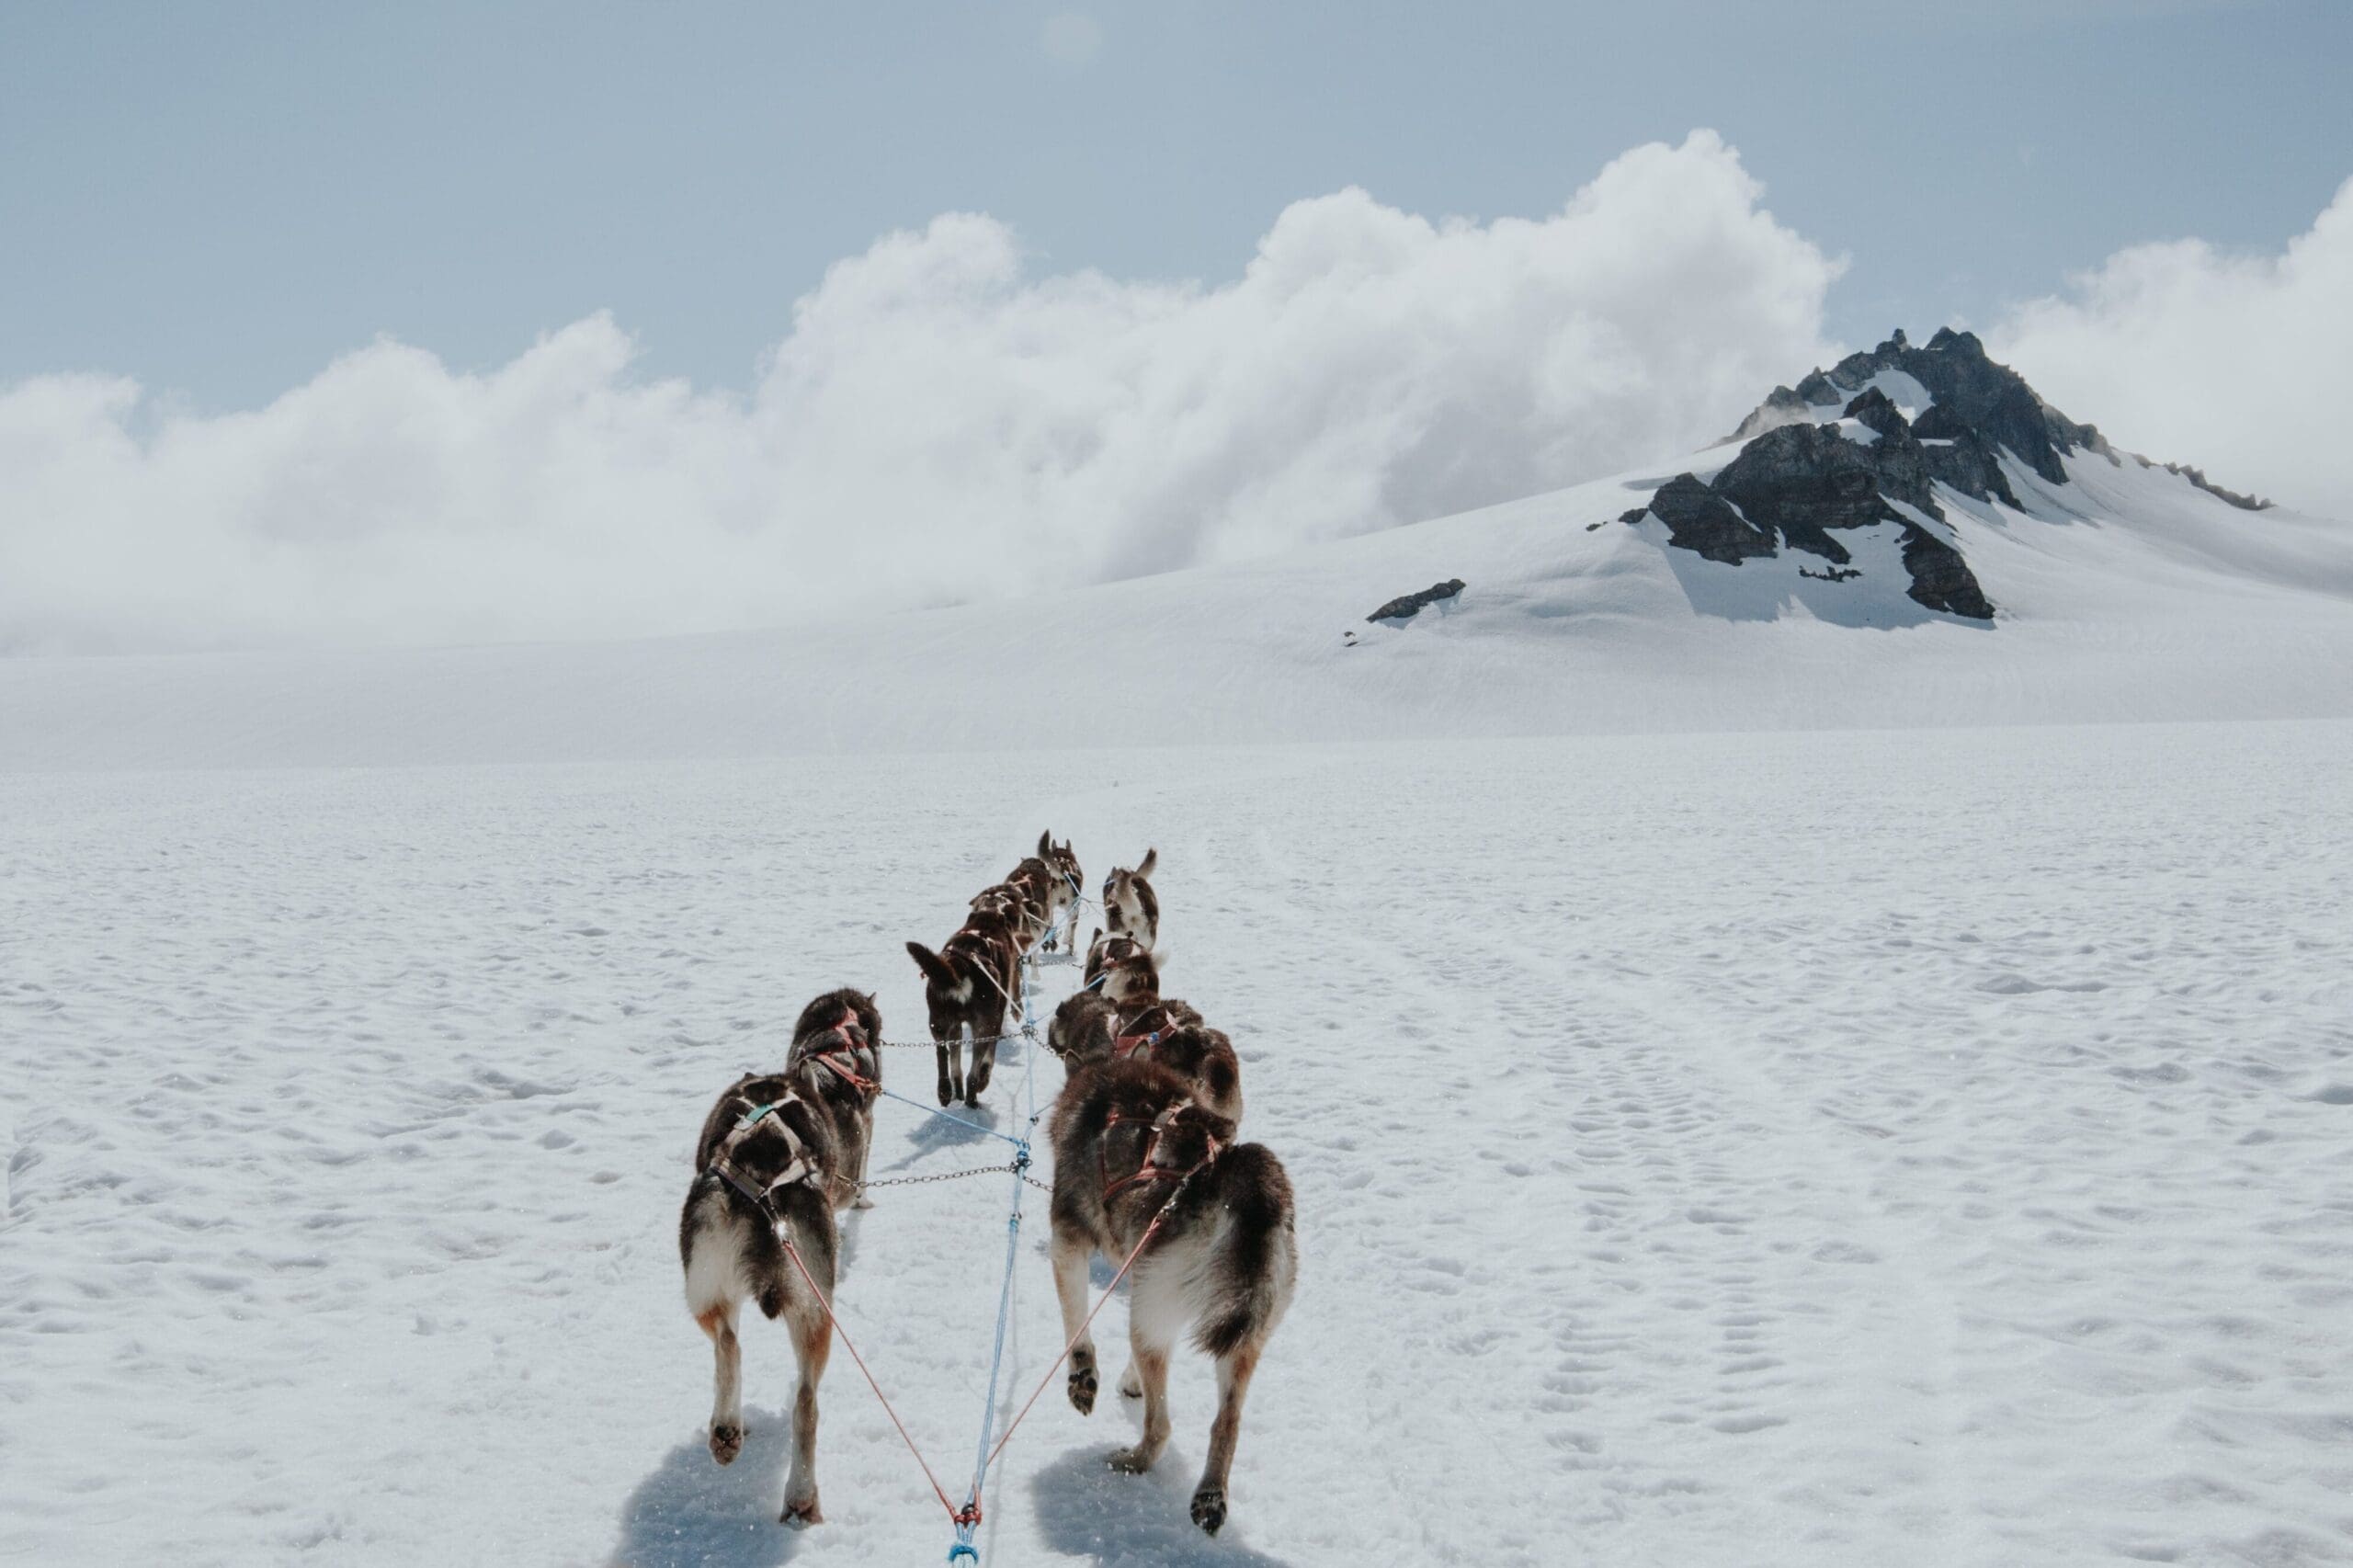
(1129, 970)
(969, 985)
(1140, 1168)
(769, 1174)
(1088, 1029)
(1104, 949)
(1052, 879)
(1129, 906)
(1021, 908)
(835, 1066)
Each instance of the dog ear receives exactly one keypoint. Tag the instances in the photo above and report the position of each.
(1151, 859)
(1045, 844)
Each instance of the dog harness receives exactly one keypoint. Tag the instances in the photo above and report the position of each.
(1133, 1042)
(799, 1169)
(1150, 1169)
(851, 1062)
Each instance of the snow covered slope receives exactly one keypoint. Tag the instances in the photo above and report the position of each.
(2125, 593)
(1864, 1149)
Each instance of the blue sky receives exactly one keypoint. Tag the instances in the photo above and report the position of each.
(220, 199)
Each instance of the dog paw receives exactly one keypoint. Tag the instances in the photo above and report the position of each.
(862, 1202)
(803, 1513)
(1082, 1390)
(1132, 1462)
(726, 1442)
(1208, 1507)
(947, 1092)
(1132, 1383)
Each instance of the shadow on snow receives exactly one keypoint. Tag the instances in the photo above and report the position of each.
(693, 1513)
(1086, 1509)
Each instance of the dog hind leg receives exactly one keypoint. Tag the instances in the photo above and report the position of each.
(1151, 1363)
(727, 1382)
(1233, 1373)
(1070, 1258)
(813, 1343)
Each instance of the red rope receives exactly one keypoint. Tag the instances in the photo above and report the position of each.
(938, 1491)
(1087, 1322)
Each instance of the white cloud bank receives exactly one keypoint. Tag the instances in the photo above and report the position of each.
(2242, 365)
(937, 426)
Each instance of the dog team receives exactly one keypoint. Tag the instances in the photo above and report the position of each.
(1146, 1168)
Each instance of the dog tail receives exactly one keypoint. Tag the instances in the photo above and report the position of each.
(1256, 1260)
(1151, 858)
(934, 967)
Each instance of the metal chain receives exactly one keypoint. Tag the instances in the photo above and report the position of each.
(957, 1175)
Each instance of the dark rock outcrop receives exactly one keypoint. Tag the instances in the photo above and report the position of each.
(1970, 392)
(2244, 503)
(1407, 605)
(1798, 485)
(1700, 520)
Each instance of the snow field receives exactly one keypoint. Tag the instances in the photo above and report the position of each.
(1850, 1148)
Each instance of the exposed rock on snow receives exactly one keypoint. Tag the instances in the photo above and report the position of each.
(2198, 478)
(1700, 520)
(1799, 483)
(1407, 605)
(1977, 395)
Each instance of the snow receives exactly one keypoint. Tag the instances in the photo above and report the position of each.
(1761, 1087)
(1807, 1148)
(2128, 594)
(1901, 389)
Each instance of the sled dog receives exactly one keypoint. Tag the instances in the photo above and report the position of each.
(1133, 1150)
(835, 1066)
(766, 1171)
(1087, 1030)
(1129, 906)
(969, 985)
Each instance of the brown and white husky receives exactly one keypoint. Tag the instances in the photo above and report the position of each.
(1088, 1028)
(968, 987)
(1140, 1166)
(768, 1170)
(1104, 949)
(1129, 906)
(1052, 881)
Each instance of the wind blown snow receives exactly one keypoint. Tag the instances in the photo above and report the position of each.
(2240, 364)
(939, 425)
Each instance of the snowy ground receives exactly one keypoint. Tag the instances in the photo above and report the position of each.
(1858, 1148)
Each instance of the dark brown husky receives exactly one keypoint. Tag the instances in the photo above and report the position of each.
(835, 1065)
(769, 1172)
(1140, 1168)
(969, 985)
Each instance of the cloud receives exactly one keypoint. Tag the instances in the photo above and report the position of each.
(939, 425)
(2242, 365)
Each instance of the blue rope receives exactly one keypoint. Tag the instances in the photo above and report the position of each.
(963, 1546)
(1022, 1143)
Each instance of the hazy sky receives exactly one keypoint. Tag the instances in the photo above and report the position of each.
(427, 324)
(220, 198)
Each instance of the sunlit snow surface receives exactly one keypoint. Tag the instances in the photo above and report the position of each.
(1874, 1148)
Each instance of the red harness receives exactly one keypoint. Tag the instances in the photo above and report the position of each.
(1150, 1169)
(851, 1062)
(1124, 1046)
